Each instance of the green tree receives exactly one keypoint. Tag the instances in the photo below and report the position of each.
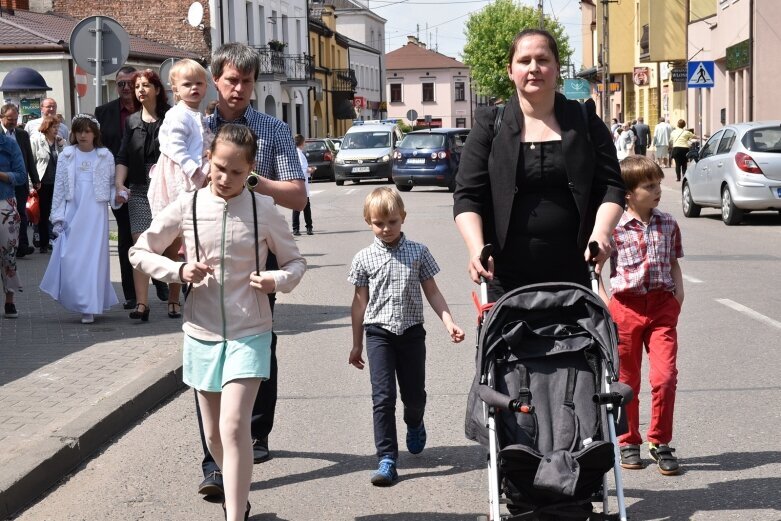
(488, 36)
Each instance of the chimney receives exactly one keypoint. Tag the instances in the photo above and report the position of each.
(412, 39)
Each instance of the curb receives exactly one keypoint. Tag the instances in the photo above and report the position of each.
(29, 476)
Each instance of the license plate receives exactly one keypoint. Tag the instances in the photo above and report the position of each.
(416, 161)
(360, 169)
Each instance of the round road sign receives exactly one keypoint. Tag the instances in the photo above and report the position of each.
(80, 76)
(115, 45)
(412, 115)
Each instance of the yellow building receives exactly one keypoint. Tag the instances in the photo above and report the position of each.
(331, 101)
(646, 55)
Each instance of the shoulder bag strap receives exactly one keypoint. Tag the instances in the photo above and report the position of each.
(255, 222)
(189, 286)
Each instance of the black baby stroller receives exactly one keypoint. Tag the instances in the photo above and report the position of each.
(544, 401)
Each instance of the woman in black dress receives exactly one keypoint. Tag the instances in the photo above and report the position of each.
(543, 186)
(137, 154)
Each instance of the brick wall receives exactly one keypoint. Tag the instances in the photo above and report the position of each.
(163, 21)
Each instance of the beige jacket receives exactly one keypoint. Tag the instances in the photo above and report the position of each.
(223, 305)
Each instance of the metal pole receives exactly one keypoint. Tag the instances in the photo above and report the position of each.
(542, 15)
(699, 115)
(98, 60)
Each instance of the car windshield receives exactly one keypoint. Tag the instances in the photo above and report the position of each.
(423, 141)
(355, 140)
(763, 140)
(312, 146)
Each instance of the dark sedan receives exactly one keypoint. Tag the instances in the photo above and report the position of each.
(429, 158)
(320, 154)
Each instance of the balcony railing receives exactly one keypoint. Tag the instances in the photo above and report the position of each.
(293, 67)
(344, 80)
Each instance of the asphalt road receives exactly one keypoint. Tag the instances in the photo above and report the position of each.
(727, 413)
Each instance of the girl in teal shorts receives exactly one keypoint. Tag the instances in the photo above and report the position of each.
(228, 232)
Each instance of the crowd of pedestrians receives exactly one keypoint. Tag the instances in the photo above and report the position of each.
(669, 146)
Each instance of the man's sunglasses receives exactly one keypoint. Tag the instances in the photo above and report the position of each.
(122, 84)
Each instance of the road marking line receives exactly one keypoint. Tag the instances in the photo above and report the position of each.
(693, 280)
(351, 190)
(749, 312)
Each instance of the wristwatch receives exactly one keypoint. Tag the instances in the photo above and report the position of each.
(252, 181)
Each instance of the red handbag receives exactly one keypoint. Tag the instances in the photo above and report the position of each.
(33, 207)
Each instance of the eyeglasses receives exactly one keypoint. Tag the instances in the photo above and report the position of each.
(122, 84)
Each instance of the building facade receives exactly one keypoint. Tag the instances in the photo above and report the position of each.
(435, 86)
(355, 21)
(332, 99)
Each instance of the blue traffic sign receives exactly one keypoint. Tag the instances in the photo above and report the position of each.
(700, 75)
(577, 88)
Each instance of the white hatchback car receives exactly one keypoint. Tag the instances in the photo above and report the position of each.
(738, 170)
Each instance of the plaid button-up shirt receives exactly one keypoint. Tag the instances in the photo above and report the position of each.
(641, 259)
(277, 158)
(394, 275)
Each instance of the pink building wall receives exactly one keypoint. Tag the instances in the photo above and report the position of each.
(733, 91)
(443, 107)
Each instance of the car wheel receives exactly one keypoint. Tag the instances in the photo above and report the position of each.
(452, 186)
(340, 182)
(404, 188)
(690, 208)
(730, 214)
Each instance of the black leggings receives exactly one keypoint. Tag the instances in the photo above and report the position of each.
(679, 155)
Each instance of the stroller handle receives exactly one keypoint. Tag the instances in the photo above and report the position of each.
(593, 250)
(485, 253)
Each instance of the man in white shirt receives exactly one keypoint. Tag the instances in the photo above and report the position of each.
(48, 108)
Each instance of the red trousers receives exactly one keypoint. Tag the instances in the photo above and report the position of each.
(648, 322)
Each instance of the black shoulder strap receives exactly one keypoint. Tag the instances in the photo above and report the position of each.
(255, 222)
(585, 119)
(195, 228)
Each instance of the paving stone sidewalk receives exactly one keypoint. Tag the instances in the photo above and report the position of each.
(66, 388)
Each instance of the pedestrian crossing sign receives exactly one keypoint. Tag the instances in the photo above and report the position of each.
(700, 75)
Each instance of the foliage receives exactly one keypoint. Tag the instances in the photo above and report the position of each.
(276, 45)
(488, 37)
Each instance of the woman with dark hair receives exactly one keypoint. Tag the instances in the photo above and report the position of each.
(139, 151)
(78, 272)
(12, 174)
(543, 186)
(47, 145)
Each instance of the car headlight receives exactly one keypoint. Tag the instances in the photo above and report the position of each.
(385, 158)
(339, 160)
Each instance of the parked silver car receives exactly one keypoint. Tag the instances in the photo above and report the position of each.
(738, 170)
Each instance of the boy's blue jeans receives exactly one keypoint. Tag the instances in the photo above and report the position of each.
(393, 357)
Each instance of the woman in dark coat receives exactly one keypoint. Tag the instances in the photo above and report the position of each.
(544, 186)
(138, 152)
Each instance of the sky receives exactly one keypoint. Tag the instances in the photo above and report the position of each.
(446, 21)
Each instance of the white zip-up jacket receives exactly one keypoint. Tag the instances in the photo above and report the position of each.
(223, 306)
(65, 181)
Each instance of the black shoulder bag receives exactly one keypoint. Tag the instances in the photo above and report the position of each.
(189, 286)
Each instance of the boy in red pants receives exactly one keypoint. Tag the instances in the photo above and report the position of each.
(647, 286)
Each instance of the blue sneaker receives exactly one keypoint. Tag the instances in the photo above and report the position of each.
(416, 439)
(386, 474)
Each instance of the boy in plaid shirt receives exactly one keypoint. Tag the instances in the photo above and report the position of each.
(387, 304)
(647, 286)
